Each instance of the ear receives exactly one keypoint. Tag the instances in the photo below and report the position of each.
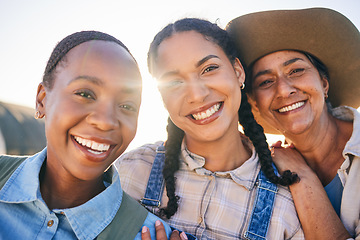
(41, 99)
(325, 84)
(239, 71)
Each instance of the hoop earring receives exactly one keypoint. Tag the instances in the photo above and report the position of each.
(326, 96)
(37, 115)
(242, 86)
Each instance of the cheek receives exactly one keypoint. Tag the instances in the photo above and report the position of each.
(169, 100)
(261, 99)
(58, 115)
(171, 108)
(129, 125)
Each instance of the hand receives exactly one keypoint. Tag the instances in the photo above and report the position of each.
(288, 158)
(161, 234)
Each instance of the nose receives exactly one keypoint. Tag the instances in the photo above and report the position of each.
(197, 91)
(104, 117)
(285, 87)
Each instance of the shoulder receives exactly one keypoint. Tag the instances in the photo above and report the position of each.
(8, 165)
(144, 153)
(134, 169)
(8, 158)
(10, 162)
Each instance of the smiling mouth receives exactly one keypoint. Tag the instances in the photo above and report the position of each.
(92, 146)
(291, 107)
(207, 113)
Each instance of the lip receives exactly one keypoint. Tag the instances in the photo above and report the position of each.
(94, 157)
(209, 119)
(291, 108)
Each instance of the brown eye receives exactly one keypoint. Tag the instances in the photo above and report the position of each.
(297, 71)
(85, 94)
(266, 83)
(128, 107)
(210, 68)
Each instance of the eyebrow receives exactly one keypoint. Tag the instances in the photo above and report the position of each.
(261, 73)
(198, 64)
(287, 63)
(93, 80)
(208, 57)
(292, 61)
(129, 88)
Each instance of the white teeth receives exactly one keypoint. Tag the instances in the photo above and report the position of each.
(291, 107)
(94, 152)
(94, 147)
(207, 113)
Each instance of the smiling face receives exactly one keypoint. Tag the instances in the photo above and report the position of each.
(199, 86)
(92, 109)
(289, 92)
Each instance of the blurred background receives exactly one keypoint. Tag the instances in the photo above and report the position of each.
(29, 31)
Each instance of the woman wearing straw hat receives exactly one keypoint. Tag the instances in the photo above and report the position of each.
(299, 62)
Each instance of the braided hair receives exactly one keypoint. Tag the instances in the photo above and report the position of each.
(68, 43)
(252, 129)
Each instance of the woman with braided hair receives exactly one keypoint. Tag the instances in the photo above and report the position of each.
(219, 183)
(89, 98)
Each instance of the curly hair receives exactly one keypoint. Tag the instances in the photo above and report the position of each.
(252, 129)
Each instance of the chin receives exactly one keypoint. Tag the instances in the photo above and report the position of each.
(294, 131)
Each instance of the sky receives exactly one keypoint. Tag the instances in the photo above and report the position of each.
(29, 30)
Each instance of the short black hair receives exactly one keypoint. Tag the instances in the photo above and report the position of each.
(68, 43)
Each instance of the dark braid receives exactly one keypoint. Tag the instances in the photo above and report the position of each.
(68, 43)
(172, 164)
(256, 134)
(252, 129)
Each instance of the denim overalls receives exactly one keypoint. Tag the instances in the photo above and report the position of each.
(261, 213)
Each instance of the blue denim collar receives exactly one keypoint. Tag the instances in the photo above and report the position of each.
(86, 220)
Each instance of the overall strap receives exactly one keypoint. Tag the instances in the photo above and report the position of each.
(127, 222)
(262, 210)
(8, 165)
(155, 185)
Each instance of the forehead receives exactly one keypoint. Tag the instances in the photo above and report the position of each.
(191, 40)
(98, 50)
(278, 57)
(185, 47)
(101, 59)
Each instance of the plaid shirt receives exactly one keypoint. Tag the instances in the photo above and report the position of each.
(212, 205)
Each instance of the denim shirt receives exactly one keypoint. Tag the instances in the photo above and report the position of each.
(25, 215)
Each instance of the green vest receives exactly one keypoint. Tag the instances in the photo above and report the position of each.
(126, 223)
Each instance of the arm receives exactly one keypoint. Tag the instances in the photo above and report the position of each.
(316, 214)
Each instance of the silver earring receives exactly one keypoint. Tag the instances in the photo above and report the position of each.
(242, 86)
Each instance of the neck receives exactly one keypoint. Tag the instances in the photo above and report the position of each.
(223, 154)
(60, 192)
(322, 146)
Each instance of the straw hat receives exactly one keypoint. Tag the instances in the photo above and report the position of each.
(322, 32)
